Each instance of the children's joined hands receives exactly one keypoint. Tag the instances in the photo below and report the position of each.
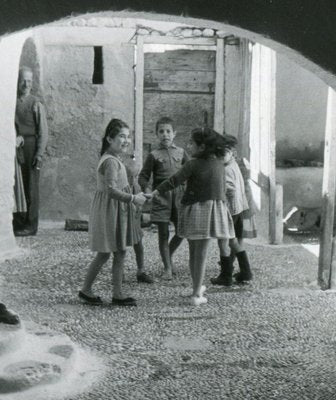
(150, 196)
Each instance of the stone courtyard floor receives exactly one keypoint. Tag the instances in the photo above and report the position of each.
(273, 339)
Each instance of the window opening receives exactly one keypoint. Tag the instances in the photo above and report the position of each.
(98, 66)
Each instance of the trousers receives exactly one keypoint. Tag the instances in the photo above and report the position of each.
(31, 178)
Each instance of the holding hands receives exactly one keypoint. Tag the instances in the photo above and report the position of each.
(139, 199)
(150, 196)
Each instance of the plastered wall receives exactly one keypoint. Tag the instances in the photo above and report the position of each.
(78, 112)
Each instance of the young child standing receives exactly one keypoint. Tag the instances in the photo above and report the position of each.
(161, 164)
(238, 206)
(132, 175)
(203, 213)
(111, 226)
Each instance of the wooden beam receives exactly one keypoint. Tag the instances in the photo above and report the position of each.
(278, 235)
(245, 100)
(174, 40)
(139, 86)
(273, 219)
(219, 87)
(327, 269)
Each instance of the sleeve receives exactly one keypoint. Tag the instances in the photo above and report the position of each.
(185, 157)
(245, 171)
(41, 128)
(176, 180)
(229, 180)
(111, 170)
(146, 172)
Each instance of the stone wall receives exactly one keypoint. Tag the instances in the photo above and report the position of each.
(78, 112)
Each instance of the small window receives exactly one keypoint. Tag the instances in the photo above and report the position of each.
(98, 66)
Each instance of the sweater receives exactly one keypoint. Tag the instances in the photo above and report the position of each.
(205, 180)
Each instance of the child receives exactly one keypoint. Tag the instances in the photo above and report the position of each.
(203, 213)
(161, 164)
(132, 174)
(238, 206)
(112, 226)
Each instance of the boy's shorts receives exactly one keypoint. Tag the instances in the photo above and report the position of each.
(238, 225)
(165, 206)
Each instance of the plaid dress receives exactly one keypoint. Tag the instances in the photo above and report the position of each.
(203, 213)
(205, 220)
(112, 225)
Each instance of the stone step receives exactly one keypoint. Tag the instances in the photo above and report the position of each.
(40, 364)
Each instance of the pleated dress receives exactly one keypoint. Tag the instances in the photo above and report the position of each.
(112, 224)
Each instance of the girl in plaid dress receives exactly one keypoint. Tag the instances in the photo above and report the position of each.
(203, 214)
(240, 210)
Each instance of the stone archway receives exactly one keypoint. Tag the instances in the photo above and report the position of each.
(250, 33)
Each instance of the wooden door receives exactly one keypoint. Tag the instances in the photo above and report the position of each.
(179, 84)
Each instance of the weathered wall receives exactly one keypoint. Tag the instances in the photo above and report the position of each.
(10, 53)
(301, 100)
(78, 112)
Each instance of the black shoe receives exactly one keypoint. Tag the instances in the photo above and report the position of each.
(225, 276)
(25, 232)
(92, 300)
(6, 317)
(145, 278)
(222, 280)
(128, 302)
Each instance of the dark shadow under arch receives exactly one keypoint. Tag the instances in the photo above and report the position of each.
(306, 26)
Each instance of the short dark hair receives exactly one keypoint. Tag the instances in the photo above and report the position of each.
(231, 141)
(164, 120)
(214, 143)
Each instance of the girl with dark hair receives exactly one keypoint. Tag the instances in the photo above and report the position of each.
(242, 215)
(112, 227)
(203, 214)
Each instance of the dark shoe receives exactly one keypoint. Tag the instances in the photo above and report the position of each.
(25, 232)
(6, 317)
(245, 274)
(225, 276)
(127, 302)
(145, 278)
(92, 300)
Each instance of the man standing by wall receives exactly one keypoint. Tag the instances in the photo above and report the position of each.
(31, 124)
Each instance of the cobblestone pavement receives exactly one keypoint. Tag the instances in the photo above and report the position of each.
(273, 339)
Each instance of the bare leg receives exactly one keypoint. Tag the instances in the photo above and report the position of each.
(224, 248)
(173, 246)
(117, 273)
(235, 245)
(92, 272)
(163, 231)
(199, 249)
